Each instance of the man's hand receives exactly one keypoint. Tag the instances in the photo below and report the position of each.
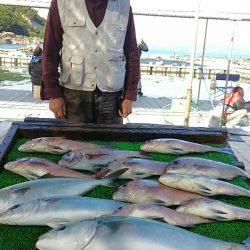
(126, 108)
(57, 107)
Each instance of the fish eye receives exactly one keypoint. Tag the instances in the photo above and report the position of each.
(15, 207)
(87, 156)
(40, 139)
(120, 208)
(61, 228)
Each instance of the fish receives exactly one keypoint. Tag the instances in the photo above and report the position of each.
(94, 159)
(202, 185)
(58, 211)
(33, 168)
(204, 167)
(177, 147)
(136, 168)
(159, 212)
(215, 210)
(152, 192)
(57, 145)
(127, 233)
(47, 188)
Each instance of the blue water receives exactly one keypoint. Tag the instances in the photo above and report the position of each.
(12, 46)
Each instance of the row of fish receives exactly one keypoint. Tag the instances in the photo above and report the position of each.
(133, 168)
(61, 145)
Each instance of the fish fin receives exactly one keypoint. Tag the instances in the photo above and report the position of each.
(50, 201)
(204, 190)
(178, 151)
(143, 154)
(246, 242)
(95, 156)
(116, 174)
(57, 150)
(219, 215)
(21, 191)
(218, 211)
(159, 202)
(57, 223)
(48, 175)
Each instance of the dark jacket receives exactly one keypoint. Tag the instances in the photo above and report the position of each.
(35, 70)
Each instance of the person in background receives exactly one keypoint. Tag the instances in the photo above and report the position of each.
(94, 42)
(235, 114)
(142, 47)
(35, 71)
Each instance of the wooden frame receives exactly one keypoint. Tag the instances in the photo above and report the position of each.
(35, 127)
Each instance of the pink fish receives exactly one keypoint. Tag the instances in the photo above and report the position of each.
(33, 168)
(152, 192)
(214, 209)
(177, 147)
(57, 145)
(134, 168)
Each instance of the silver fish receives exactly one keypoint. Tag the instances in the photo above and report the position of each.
(204, 167)
(58, 211)
(57, 145)
(152, 192)
(202, 185)
(216, 210)
(158, 212)
(94, 159)
(177, 147)
(134, 168)
(42, 188)
(33, 168)
(127, 233)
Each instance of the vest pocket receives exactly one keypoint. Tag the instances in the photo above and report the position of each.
(78, 74)
(74, 68)
(116, 74)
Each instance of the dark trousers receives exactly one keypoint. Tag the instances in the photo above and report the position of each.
(92, 106)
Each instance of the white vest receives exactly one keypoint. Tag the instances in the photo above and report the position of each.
(93, 56)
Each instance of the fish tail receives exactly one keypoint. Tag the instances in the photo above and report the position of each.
(224, 150)
(246, 242)
(245, 215)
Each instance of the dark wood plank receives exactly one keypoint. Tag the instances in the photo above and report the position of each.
(120, 133)
(49, 122)
(8, 142)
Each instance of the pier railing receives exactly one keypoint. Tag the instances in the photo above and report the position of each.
(14, 61)
(163, 70)
(180, 71)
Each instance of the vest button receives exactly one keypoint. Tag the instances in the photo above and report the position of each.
(96, 33)
(95, 67)
(96, 51)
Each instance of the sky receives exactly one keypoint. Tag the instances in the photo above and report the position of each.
(177, 34)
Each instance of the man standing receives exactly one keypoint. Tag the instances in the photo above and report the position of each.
(95, 44)
(142, 47)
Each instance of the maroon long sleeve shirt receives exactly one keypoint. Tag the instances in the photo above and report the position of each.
(53, 45)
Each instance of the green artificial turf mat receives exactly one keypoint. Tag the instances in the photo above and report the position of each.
(24, 238)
